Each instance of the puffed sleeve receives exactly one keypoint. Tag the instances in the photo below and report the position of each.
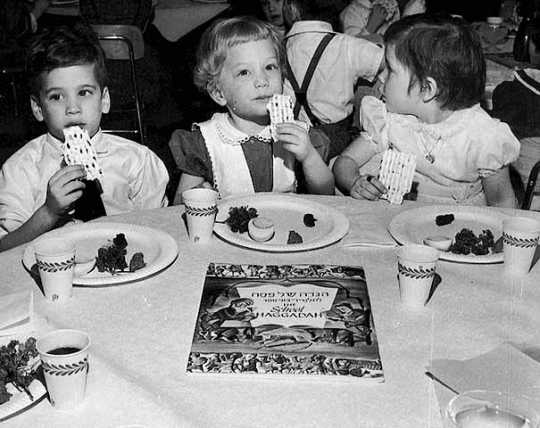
(374, 122)
(494, 148)
(190, 153)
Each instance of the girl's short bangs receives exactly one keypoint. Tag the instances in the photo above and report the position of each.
(243, 32)
(224, 35)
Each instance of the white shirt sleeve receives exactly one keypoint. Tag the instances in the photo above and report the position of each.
(365, 58)
(17, 193)
(494, 148)
(374, 121)
(148, 188)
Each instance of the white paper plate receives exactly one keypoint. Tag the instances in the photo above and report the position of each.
(412, 226)
(20, 401)
(159, 250)
(287, 213)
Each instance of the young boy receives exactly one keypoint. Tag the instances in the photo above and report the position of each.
(324, 68)
(37, 190)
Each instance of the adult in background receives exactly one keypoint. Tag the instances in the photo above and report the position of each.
(155, 80)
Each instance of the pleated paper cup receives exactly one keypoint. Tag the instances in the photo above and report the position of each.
(64, 359)
(520, 239)
(55, 258)
(201, 210)
(416, 271)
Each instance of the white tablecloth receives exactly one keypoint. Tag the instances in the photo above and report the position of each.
(141, 335)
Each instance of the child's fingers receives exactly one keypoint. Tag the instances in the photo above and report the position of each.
(291, 132)
(367, 187)
(290, 127)
(68, 173)
(375, 182)
(73, 186)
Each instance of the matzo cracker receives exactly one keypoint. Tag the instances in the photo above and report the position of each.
(78, 150)
(397, 172)
(280, 108)
(281, 111)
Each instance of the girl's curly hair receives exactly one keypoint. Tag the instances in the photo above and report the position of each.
(221, 36)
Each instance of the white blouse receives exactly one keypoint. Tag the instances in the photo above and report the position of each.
(452, 156)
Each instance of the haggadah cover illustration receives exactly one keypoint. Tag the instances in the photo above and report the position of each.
(302, 320)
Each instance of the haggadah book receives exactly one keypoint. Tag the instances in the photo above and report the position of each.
(302, 320)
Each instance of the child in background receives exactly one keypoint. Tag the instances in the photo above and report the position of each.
(239, 63)
(363, 18)
(273, 12)
(517, 103)
(435, 79)
(18, 20)
(37, 191)
(371, 18)
(325, 96)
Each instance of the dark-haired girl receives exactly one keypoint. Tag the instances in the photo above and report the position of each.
(435, 78)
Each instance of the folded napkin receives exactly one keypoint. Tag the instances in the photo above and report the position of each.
(371, 232)
(16, 311)
(504, 369)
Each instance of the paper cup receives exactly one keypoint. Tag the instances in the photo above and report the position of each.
(64, 359)
(55, 259)
(480, 408)
(520, 239)
(201, 209)
(416, 271)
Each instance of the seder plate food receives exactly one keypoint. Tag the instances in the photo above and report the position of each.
(415, 225)
(159, 250)
(287, 213)
(20, 401)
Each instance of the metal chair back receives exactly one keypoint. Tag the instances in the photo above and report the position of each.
(125, 42)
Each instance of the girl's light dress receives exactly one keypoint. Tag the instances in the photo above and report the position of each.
(452, 156)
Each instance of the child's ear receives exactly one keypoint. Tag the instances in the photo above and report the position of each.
(429, 89)
(105, 100)
(217, 95)
(36, 108)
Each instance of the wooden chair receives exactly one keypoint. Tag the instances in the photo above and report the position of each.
(125, 42)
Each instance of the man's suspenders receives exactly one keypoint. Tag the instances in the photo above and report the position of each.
(301, 92)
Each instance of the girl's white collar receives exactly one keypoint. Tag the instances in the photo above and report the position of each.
(233, 136)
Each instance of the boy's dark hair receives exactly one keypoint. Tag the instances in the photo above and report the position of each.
(64, 47)
(445, 49)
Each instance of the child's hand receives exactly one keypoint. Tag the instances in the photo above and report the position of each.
(64, 188)
(367, 187)
(295, 139)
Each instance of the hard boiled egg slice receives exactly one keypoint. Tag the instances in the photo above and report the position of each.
(438, 242)
(261, 229)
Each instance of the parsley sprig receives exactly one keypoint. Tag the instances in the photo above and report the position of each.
(17, 367)
(112, 258)
(239, 218)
